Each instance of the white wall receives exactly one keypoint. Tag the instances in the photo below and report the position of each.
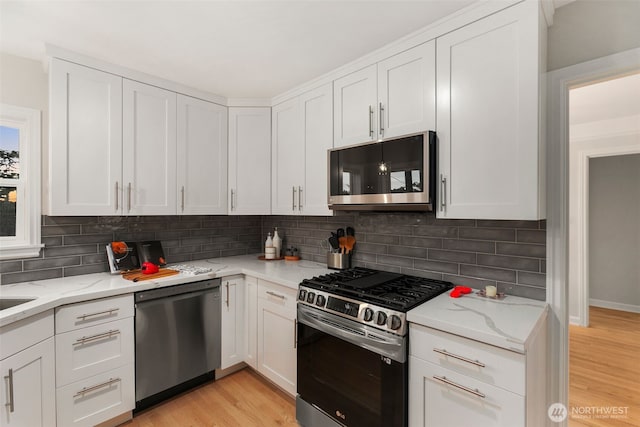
(589, 29)
(614, 230)
(24, 82)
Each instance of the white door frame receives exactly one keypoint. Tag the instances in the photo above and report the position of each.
(559, 83)
(582, 150)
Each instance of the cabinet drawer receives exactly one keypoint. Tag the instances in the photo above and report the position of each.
(89, 351)
(441, 397)
(483, 362)
(96, 399)
(277, 294)
(89, 313)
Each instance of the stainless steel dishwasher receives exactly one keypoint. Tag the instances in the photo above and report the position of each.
(177, 339)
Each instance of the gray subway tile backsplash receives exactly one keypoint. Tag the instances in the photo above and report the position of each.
(510, 254)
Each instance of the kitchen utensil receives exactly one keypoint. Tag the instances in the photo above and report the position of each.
(340, 232)
(349, 242)
(351, 231)
(342, 243)
(333, 241)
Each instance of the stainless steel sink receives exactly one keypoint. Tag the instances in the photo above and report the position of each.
(12, 302)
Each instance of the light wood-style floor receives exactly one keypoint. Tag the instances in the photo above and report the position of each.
(604, 366)
(242, 399)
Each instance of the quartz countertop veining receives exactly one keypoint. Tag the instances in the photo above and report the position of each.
(52, 293)
(507, 323)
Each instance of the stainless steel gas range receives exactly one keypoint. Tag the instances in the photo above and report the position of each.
(353, 344)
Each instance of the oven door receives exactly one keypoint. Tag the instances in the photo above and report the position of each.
(355, 374)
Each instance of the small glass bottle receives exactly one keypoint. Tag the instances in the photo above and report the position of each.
(277, 242)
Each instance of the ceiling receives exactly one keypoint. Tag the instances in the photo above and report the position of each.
(606, 100)
(237, 49)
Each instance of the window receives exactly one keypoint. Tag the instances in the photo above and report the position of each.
(19, 182)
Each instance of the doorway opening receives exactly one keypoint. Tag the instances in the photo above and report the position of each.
(604, 252)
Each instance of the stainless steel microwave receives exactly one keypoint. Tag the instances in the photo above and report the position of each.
(397, 174)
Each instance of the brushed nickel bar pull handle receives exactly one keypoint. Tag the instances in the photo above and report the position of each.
(182, 197)
(129, 198)
(273, 294)
(84, 316)
(10, 404)
(370, 121)
(227, 295)
(295, 333)
(232, 199)
(475, 392)
(455, 356)
(443, 192)
(381, 120)
(293, 198)
(85, 340)
(117, 196)
(86, 390)
(300, 198)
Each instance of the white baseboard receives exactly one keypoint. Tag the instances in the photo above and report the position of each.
(575, 320)
(614, 305)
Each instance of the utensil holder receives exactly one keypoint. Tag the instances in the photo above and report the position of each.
(338, 261)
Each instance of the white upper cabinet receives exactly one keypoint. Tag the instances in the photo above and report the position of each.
(301, 137)
(202, 146)
(407, 92)
(286, 157)
(85, 151)
(249, 161)
(490, 160)
(318, 139)
(149, 149)
(355, 102)
(391, 98)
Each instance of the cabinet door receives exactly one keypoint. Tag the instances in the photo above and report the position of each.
(251, 321)
(487, 123)
(85, 152)
(439, 397)
(149, 154)
(407, 92)
(249, 161)
(233, 338)
(287, 154)
(29, 384)
(355, 105)
(202, 157)
(317, 119)
(277, 342)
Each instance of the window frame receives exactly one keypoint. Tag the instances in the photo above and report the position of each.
(27, 242)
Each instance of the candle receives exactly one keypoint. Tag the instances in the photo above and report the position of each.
(490, 291)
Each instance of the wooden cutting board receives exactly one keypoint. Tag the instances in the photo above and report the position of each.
(139, 276)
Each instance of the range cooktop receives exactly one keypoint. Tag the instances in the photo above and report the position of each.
(390, 290)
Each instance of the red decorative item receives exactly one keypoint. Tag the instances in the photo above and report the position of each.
(458, 291)
(149, 268)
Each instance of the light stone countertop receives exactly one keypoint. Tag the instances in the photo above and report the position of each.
(53, 293)
(507, 323)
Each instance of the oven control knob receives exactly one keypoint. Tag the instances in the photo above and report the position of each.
(394, 322)
(302, 295)
(320, 300)
(381, 318)
(310, 297)
(368, 315)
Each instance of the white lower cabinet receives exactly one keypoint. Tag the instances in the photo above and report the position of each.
(233, 305)
(456, 381)
(251, 321)
(95, 363)
(27, 391)
(440, 397)
(98, 398)
(277, 334)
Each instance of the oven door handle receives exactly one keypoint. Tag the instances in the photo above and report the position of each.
(354, 333)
